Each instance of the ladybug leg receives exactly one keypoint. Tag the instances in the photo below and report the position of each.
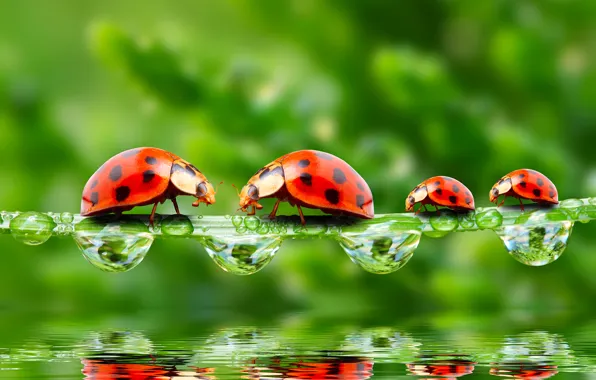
(502, 202)
(437, 210)
(272, 215)
(521, 205)
(301, 215)
(252, 211)
(175, 206)
(152, 216)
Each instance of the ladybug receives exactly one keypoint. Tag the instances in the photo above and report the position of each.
(143, 176)
(312, 179)
(440, 191)
(525, 184)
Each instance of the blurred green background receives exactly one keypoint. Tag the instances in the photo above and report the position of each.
(402, 90)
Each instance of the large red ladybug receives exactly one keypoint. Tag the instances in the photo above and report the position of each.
(312, 179)
(525, 184)
(143, 176)
(440, 191)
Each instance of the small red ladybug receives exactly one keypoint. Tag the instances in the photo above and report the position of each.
(525, 184)
(440, 191)
(142, 176)
(312, 179)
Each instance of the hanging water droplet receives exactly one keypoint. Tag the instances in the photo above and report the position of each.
(177, 225)
(446, 221)
(539, 240)
(32, 228)
(490, 218)
(380, 248)
(242, 255)
(237, 220)
(113, 245)
(252, 222)
(467, 220)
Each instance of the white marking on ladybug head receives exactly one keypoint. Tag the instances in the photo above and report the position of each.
(417, 195)
(500, 188)
(189, 180)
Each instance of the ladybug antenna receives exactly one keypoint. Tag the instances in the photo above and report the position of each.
(237, 191)
(217, 187)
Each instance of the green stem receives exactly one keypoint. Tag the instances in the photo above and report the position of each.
(432, 224)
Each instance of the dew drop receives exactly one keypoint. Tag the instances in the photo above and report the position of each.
(242, 255)
(490, 218)
(177, 225)
(66, 217)
(537, 242)
(32, 228)
(571, 203)
(113, 246)
(379, 249)
(467, 220)
(445, 222)
(252, 222)
(237, 220)
(592, 201)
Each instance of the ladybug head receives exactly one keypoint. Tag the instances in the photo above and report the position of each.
(205, 193)
(410, 202)
(249, 196)
(190, 181)
(500, 188)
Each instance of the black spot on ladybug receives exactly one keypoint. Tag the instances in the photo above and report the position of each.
(468, 200)
(468, 194)
(185, 168)
(148, 175)
(437, 183)
(176, 168)
(439, 191)
(253, 192)
(131, 152)
(540, 182)
(94, 184)
(552, 194)
(495, 192)
(411, 199)
(551, 186)
(116, 173)
(267, 172)
(523, 184)
(303, 163)
(94, 198)
(306, 179)
(332, 196)
(324, 156)
(151, 160)
(453, 199)
(360, 200)
(360, 186)
(264, 173)
(190, 171)
(522, 175)
(455, 189)
(338, 176)
(122, 193)
(194, 168)
(537, 192)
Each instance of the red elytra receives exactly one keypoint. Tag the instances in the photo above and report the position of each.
(441, 191)
(525, 184)
(143, 176)
(311, 179)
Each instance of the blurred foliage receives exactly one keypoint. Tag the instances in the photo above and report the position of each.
(401, 90)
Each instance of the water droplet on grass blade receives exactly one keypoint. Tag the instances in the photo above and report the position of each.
(490, 218)
(177, 225)
(113, 245)
(538, 238)
(379, 247)
(32, 228)
(242, 255)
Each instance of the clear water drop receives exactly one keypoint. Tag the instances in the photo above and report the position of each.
(66, 217)
(113, 245)
(490, 218)
(538, 241)
(242, 255)
(467, 220)
(446, 221)
(571, 203)
(32, 228)
(380, 248)
(252, 223)
(237, 220)
(177, 225)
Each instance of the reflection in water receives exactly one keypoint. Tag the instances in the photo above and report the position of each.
(139, 367)
(442, 366)
(523, 370)
(296, 352)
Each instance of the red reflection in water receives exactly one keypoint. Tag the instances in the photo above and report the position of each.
(441, 367)
(347, 368)
(523, 370)
(104, 369)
